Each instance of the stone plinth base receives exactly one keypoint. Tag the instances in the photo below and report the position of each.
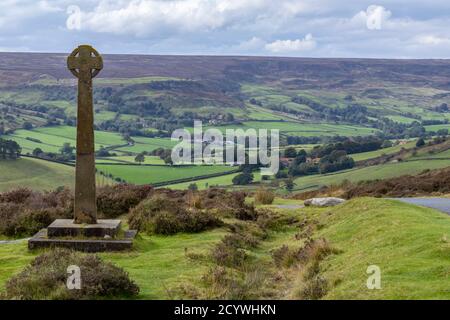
(67, 228)
(41, 240)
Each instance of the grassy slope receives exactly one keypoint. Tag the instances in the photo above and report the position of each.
(373, 154)
(369, 173)
(410, 244)
(53, 138)
(35, 174)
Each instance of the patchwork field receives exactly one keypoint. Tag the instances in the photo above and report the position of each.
(368, 173)
(301, 129)
(147, 144)
(51, 139)
(153, 174)
(222, 181)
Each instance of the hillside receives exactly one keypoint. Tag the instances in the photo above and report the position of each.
(410, 244)
(140, 100)
(38, 88)
(34, 173)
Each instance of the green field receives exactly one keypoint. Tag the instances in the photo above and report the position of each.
(130, 160)
(222, 181)
(155, 174)
(148, 144)
(302, 129)
(35, 174)
(52, 138)
(437, 127)
(401, 119)
(384, 171)
(377, 153)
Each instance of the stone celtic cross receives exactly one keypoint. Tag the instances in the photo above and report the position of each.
(85, 63)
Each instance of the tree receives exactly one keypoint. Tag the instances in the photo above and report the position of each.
(290, 152)
(37, 152)
(139, 158)
(289, 185)
(386, 144)
(103, 152)
(193, 187)
(243, 179)
(27, 125)
(67, 149)
(9, 149)
(420, 143)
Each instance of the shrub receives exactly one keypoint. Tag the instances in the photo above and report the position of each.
(228, 255)
(46, 276)
(228, 204)
(222, 284)
(113, 201)
(264, 196)
(240, 240)
(314, 289)
(313, 285)
(18, 196)
(315, 250)
(283, 257)
(243, 179)
(270, 220)
(23, 212)
(163, 215)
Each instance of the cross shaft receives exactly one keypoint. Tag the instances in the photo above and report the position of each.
(85, 63)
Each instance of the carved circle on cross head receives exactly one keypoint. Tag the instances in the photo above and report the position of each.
(94, 53)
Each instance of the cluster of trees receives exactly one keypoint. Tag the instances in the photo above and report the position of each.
(441, 108)
(333, 161)
(164, 154)
(351, 146)
(353, 113)
(67, 153)
(9, 149)
(246, 177)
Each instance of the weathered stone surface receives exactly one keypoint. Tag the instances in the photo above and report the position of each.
(41, 240)
(67, 228)
(84, 233)
(85, 63)
(323, 202)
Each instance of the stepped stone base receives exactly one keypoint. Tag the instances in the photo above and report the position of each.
(40, 240)
(103, 236)
(67, 228)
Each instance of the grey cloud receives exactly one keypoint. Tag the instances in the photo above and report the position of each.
(320, 28)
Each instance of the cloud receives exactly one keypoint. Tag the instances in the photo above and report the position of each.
(351, 28)
(432, 40)
(144, 17)
(374, 17)
(292, 46)
(252, 44)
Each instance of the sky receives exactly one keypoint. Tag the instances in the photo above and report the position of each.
(295, 28)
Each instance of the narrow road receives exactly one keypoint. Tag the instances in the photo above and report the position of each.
(289, 206)
(13, 241)
(441, 204)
